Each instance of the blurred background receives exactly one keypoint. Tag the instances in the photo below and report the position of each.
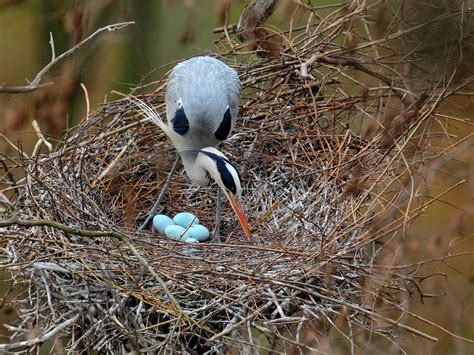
(166, 31)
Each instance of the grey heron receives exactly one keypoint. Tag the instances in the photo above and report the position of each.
(202, 100)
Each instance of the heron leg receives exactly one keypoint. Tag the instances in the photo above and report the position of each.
(217, 230)
(155, 207)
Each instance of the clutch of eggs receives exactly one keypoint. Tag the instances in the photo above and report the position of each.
(184, 227)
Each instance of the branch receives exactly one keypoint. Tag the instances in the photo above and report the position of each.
(41, 339)
(349, 62)
(249, 28)
(99, 234)
(56, 225)
(36, 83)
(353, 63)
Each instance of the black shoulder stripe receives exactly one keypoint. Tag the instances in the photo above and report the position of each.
(224, 128)
(180, 122)
(224, 173)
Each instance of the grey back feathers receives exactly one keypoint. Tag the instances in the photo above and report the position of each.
(202, 101)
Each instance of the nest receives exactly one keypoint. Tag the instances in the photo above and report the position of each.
(329, 167)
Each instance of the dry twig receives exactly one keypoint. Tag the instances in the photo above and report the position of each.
(331, 175)
(36, 83)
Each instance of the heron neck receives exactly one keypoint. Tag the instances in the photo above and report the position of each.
(195, 171)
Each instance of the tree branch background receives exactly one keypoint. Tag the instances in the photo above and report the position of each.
(166, 31)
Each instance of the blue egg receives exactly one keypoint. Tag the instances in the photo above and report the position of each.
(185, 219)
(199, 232)
(177, 233)
(191, 240)
(161, 221)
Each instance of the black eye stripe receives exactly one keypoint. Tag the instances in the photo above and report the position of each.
(180, 122)
(224, 173)
(226, 176)
(224, 128)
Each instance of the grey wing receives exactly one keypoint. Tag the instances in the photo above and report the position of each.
(173, 90)
(233, 98)
(233, 92)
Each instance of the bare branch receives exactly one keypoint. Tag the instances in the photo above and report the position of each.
(36, 83)
(41, 339)
(249, 30)
(330, 200)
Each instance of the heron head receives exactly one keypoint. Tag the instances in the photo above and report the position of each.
(202, 100)
(226, 175)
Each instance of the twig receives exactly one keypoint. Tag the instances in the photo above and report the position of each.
(163, 191)
(98, 234)
(86, 95)
(41, 139)
(351, 62)
(229, 41)
(328, 196)
(249, 30)
(114, 162)
(36, 83)
(41, 339)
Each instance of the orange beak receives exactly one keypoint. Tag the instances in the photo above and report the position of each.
(239, 211)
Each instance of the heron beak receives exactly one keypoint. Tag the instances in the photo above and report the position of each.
(239, 211)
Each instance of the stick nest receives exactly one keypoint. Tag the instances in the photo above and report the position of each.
(329, 168)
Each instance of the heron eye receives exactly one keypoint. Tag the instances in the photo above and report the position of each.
(180, 121)
(224, 128)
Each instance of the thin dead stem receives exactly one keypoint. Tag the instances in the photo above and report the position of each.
(334, 162)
